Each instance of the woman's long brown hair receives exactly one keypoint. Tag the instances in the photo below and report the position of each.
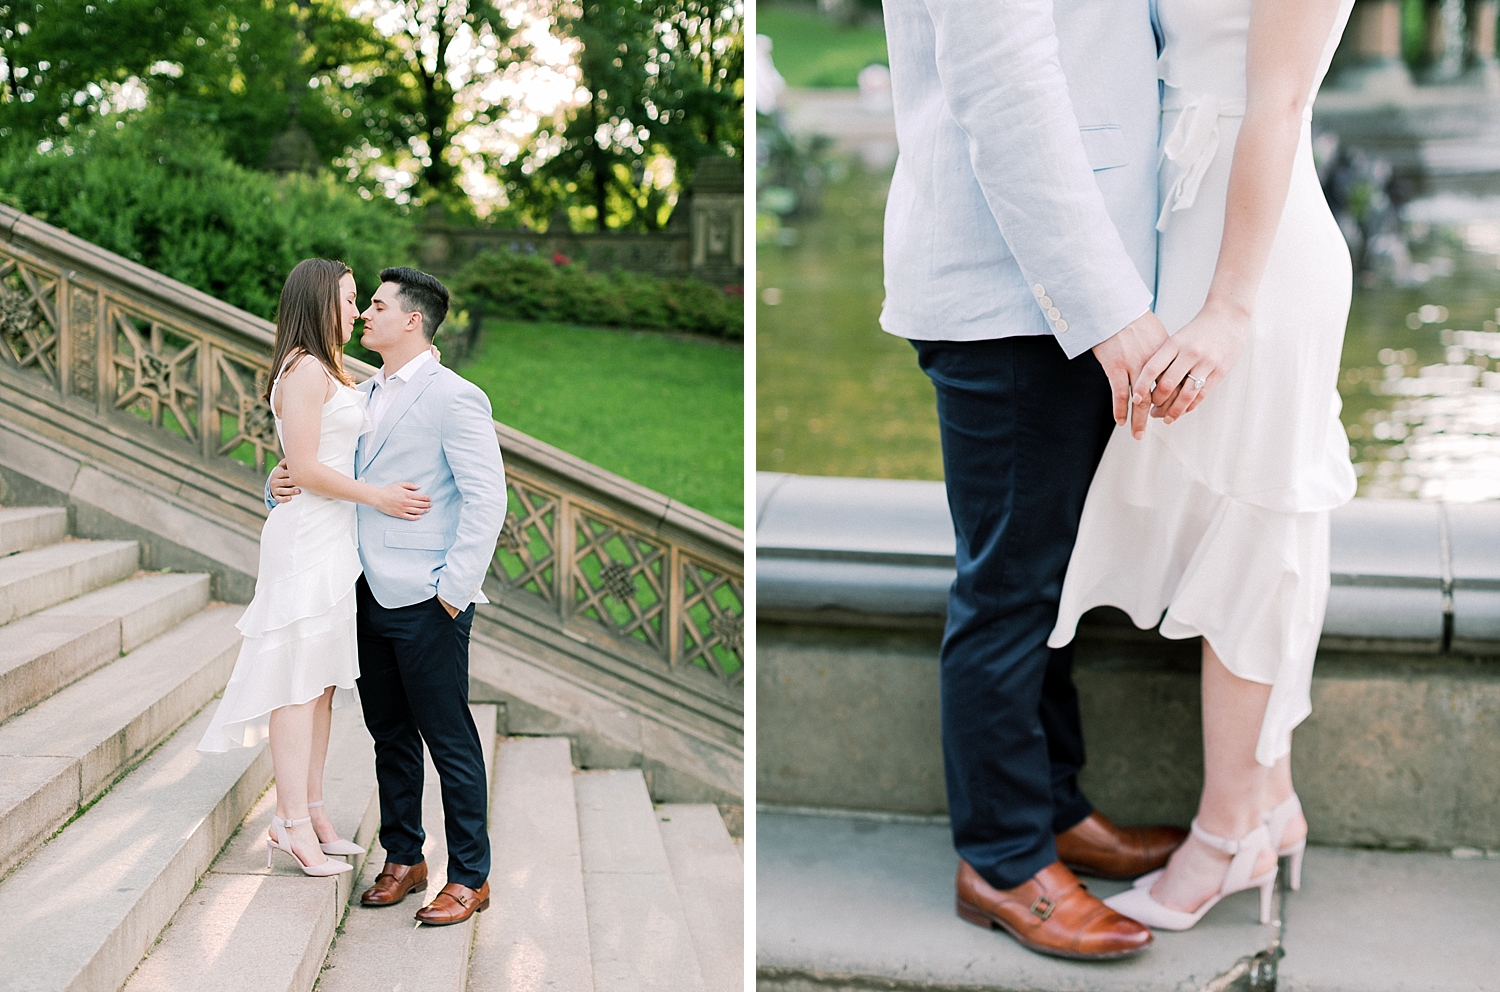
(307, 319)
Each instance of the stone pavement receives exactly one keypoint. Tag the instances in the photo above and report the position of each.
(867, 903)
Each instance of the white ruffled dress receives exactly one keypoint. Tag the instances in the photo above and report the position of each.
(299, 630)
(1216, 526)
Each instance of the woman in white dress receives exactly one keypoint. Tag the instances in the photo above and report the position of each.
(299, 658)
(1214, 522)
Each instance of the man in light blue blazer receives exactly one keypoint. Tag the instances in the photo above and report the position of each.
(1020, 259)
(416, 598)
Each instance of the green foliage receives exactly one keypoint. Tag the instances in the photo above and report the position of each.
(417, 113)
(401, 110)
(664, 411)
(665, 84)
(811, 50)
(238, 68)
(292, 86)
(515, 286)
(187, 211)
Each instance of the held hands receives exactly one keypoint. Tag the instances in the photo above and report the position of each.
(1122, 357)
(1193, 361)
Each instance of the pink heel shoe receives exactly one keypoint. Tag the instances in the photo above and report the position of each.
(1136, 902)
(282, 842)
(1277, 820)
(338, 845)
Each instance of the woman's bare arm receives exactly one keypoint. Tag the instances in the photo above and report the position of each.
(304, 388)
(1284, 47)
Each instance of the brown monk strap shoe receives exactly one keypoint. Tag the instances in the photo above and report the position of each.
(1050, 913)
(393, 883)
(1099, 848)
(455, 904)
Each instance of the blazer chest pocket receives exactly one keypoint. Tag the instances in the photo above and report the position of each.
(1104, 144)
(416, 540)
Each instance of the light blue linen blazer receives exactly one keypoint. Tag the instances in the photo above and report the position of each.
(439, 434)
(1024, 196)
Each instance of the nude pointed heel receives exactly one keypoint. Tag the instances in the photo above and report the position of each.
(282, 842)
(1277, 820)
(338, 845)
(1136, 902)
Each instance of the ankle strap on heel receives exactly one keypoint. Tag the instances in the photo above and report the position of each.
(1230, 847)
(315, 805)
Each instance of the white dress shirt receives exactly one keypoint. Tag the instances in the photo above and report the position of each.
(387, 386)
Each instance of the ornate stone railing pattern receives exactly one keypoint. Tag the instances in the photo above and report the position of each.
(142, 356)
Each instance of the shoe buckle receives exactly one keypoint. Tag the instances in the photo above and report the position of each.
(1042, 908)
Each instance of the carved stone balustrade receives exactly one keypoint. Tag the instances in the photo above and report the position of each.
(151, 392)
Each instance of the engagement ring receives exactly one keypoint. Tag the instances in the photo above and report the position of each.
(1197, 381)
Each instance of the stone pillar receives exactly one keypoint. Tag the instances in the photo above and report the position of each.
(1484, 68)
(1445, 41)
(1374, 34)
(717, 222)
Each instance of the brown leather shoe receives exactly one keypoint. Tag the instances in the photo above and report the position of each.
(455, 904)
(393, 883)
(1050, 913)
(1099, 848)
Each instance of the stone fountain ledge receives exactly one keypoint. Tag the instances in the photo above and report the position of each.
(1408, 576)
(1402, 749)
(1398, 767)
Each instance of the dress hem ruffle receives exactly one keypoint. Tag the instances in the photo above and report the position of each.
(1251, 582)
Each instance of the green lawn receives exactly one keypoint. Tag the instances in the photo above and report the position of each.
(661, 410)
(836, 395)
(811, 50)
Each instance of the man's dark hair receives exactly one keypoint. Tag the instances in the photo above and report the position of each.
(420, 292)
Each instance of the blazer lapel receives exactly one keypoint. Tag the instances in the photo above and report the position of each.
(403, 401)
(366, 388)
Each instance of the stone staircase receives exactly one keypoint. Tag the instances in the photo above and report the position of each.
(130, 861)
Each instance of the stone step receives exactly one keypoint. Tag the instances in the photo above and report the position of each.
(56, 757)
(1377, 921)
(96, 897)
(536, 933)
(639, 937)
(34, 580)
(255, 929)
(384, 949)
(710, 880)
(859, 904)
(47, 651)
(25, 527)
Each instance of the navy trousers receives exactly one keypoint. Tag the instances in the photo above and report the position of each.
(414, 687)
(1023, 429)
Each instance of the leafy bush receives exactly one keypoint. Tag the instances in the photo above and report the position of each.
(183, 208)
(513, 286)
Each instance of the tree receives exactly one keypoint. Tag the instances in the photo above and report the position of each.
(285, 85)
(661, 87)
(60, 60)
(698, 96)
(243, 71)
(431, 82)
